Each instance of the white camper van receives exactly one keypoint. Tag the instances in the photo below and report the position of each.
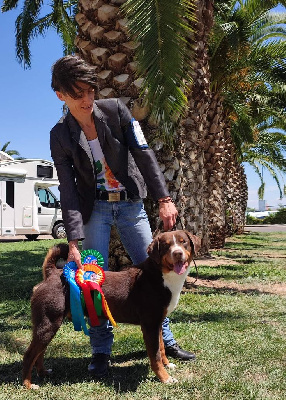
(27, 205)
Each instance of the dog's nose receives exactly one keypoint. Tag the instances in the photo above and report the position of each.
(178, 254)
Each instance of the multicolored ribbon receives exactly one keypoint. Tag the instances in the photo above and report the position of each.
(88, 279)
(75, 298)
(91, 278)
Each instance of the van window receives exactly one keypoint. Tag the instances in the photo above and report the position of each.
(46, 198)
(10, 190)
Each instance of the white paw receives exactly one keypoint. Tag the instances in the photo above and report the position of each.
(171, 380)
(171, 366)
(34, 387)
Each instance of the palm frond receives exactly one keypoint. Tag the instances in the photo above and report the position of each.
(9, 5)
(255, 163)
(162, 28)
(253, 9)
(29, 25)
(269, 26)
(24, 30)
(10, 152)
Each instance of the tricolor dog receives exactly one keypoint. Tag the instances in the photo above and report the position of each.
(143, 295)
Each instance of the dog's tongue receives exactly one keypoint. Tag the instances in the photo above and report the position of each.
(180, 267)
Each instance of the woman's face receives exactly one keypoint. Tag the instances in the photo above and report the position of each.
(81, 106)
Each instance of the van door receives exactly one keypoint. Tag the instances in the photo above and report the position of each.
(7, 208)
(48, 209)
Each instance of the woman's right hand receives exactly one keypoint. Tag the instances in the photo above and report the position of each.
(74, 253)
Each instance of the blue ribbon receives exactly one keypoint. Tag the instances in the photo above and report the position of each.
(75, 298)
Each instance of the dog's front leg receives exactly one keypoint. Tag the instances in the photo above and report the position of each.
(151, 336)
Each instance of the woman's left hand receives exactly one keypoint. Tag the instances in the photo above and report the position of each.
(168, 214)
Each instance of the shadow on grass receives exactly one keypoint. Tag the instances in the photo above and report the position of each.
(225, 290)
(20, 271)
(74, 370)
(218, 272)
(220, 316)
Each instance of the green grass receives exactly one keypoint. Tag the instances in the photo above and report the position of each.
(238, 335)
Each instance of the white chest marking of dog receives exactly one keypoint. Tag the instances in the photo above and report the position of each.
(174, 282)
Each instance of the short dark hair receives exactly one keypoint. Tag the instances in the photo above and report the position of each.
(71, 69)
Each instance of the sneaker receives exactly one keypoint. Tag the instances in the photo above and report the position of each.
(176, 352)
(99, 365)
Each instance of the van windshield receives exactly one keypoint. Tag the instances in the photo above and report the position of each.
(47, 199)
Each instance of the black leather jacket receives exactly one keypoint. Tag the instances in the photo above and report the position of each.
(133, 166)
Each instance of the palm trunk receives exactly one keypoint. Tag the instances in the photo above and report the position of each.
(216, 150)
(103, 41)
(226, 178)
(236, 195)
(194, 134)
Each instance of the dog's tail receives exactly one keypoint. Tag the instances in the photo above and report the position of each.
(53, 257)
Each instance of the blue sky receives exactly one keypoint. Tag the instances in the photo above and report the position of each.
(29, 107)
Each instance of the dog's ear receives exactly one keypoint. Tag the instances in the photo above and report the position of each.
(195, 241)
(153, 250)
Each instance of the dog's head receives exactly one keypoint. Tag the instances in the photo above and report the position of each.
(174, 250)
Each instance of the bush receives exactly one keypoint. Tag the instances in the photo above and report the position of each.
(277, 218)
(250, 220)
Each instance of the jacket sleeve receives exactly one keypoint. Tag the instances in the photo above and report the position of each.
(68, 191)
(144, 157)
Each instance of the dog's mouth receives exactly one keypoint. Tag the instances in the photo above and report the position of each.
(180, 267)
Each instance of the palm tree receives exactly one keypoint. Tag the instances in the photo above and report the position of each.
(9, 152)
(240, 43)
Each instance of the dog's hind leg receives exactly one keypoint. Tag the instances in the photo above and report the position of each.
(151, 335)
(34, 355)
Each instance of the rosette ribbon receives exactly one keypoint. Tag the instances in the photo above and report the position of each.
(87, 281)
(91, 278)
(75, 298)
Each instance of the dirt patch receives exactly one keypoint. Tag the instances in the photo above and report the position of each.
(193, 283)
(215, 262)
(275, 288)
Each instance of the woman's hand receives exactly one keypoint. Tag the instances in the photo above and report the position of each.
(168, 213)
(74, 253)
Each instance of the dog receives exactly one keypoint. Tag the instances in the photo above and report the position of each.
(142, 295)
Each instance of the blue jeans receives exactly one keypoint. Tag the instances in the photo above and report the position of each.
(132, 224)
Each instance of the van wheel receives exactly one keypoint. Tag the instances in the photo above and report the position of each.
(59, 231)
(31, 237)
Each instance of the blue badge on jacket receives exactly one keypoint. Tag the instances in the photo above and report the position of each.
(136, 137)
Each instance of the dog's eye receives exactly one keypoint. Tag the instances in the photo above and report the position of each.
(182, 240)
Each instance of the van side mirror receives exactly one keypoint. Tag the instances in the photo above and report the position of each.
(58, 204)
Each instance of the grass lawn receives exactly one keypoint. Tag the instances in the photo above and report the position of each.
(233, 317)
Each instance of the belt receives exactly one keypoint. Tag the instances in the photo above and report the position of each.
(115, 196)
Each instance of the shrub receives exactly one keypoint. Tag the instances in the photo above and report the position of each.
(250, 220)
(276, 218)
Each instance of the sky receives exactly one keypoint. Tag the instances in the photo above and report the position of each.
(29, 108)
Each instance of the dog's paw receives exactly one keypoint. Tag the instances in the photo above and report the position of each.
(34, 387)
(171, 380)
(171, 366)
